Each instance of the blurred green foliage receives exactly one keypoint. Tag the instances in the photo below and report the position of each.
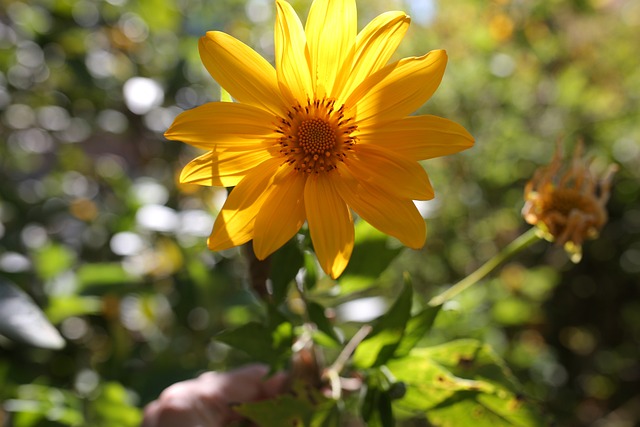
(94, 226)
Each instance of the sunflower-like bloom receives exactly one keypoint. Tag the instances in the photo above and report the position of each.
(568, 206)
(322, 134)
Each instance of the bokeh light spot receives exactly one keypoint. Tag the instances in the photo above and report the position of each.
(258, 11)
(157, 218)
(112, 121)
(126, 243)
(142, 94)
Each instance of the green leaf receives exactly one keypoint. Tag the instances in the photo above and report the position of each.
(27, 419)
(512, 310)
(376, 405)
(281, 331)
(268, 342)
(307, 408)
(417, 328)
(317, 316)
(369, 402)
(371, 256)
(379, 412)
(462, 383)
(113, 407)
(310, 276)
(35, 403)
(102, 274)
(285, 264)
(53, 259)
(386, 334)
(253, 338)
(385, 412)
(159, 15)
(63, 307)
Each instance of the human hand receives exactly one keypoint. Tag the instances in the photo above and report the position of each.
(207, 401)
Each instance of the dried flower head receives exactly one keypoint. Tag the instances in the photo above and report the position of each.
(567, 204)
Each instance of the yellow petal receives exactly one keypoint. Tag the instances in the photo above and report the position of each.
(224, 169)
(223, 126)
(373, 47)
(330, 224)
(392, 215)
(290, 50)
(331, 31)
(419, 137)
(398, 89)
(234, 224)
(247, 76)
(282, 213)
(393, 173)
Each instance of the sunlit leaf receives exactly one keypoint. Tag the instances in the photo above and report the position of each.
(62, 307)
(103, 274)
(35, 403)
(416, 329)
(27, 419)
(114, 407)
(53, 259)
(462, 383)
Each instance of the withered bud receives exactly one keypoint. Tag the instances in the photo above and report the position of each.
(567, 202)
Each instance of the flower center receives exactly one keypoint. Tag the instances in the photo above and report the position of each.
(564, 200)
(315, 137)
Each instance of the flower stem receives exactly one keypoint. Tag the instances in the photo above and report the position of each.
(525, 240)
(258, 273)
(333, 372)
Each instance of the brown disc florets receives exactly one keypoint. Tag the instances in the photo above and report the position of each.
(317, 136)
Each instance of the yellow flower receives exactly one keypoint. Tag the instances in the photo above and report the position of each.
(568, 207)
(322, 134)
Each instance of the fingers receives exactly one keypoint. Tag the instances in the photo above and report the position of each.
(180, 410)
(274, 386)
(208, 400)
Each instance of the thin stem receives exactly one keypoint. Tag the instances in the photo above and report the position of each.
(333, 372)
(346, 352)
(336, 386)
(523, 241)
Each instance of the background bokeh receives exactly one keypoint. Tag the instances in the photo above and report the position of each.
(95, 227)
